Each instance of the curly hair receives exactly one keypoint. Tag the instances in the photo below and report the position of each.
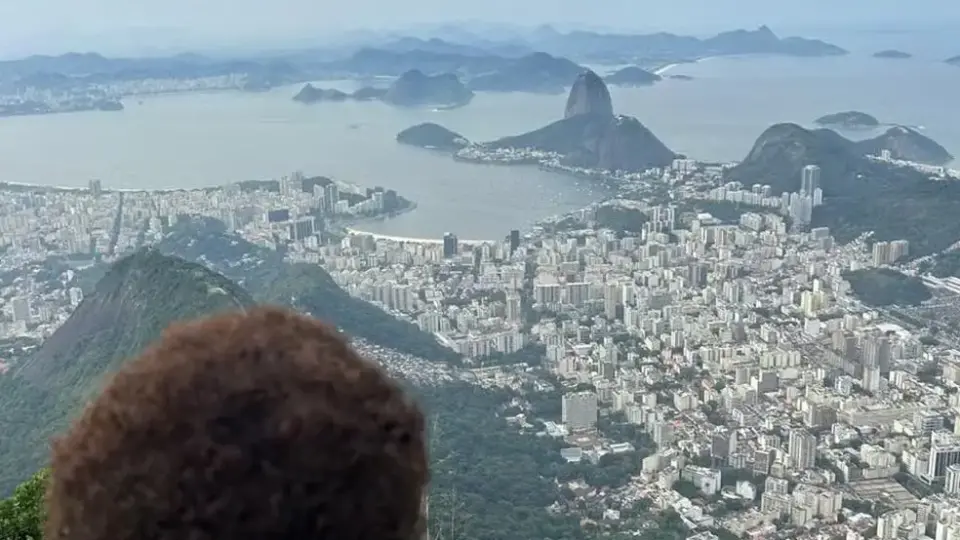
(257, 425)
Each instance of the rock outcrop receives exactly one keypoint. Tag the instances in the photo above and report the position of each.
(589, 95)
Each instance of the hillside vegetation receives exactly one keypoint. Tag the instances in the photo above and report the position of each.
(129, 308)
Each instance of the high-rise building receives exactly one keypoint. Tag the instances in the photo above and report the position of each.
(720, 446)
(926, 422)
(302, 228)
(662, 433)
(450, 247)
(291, 185)
(952, 483)
(331, 196)
(944, 452)
(803, 449)
(876, 352)
(579, 410)
(21, 309)
(514, 240)
(96, 188)
(810, 180)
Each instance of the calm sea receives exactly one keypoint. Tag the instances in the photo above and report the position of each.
(192, 140)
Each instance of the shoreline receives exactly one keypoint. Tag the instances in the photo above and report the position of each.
(662, 70)
(26, 186)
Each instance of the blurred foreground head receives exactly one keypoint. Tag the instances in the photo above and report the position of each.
(261, 425)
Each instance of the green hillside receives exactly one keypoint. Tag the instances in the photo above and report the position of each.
(112, 324)
(306, 287)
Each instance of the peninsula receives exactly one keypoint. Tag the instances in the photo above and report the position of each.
(848, 120)
(28, 108)
(590, 139)
(892, 54)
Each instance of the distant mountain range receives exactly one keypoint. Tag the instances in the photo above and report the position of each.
(538, 63)
(859, 194)
(629, 48)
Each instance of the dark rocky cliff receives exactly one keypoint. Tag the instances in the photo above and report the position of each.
(589, 95)
(591, 136)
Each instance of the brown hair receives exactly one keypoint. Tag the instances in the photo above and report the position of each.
(260, 425)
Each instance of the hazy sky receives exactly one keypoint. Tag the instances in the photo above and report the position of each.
(52, 24)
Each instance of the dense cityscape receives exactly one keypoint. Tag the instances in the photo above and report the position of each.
(722, 366)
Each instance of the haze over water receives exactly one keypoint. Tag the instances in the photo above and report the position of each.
(193, 140)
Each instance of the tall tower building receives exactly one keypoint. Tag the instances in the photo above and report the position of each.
(579, 410)
(450, 247)
(331, 195)
(803, 449)
(810, 181)
(21, 309)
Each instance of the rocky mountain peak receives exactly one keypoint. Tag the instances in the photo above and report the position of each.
(589, 95)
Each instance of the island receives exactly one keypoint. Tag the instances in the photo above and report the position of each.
(632, 76)
(412, 89)
(680, 77)
(432, 136)
(415, 89)
(311, 94)
(848, 120)
(892, 54)
(954, 61)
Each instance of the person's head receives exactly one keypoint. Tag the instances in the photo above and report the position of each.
(259, 425)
